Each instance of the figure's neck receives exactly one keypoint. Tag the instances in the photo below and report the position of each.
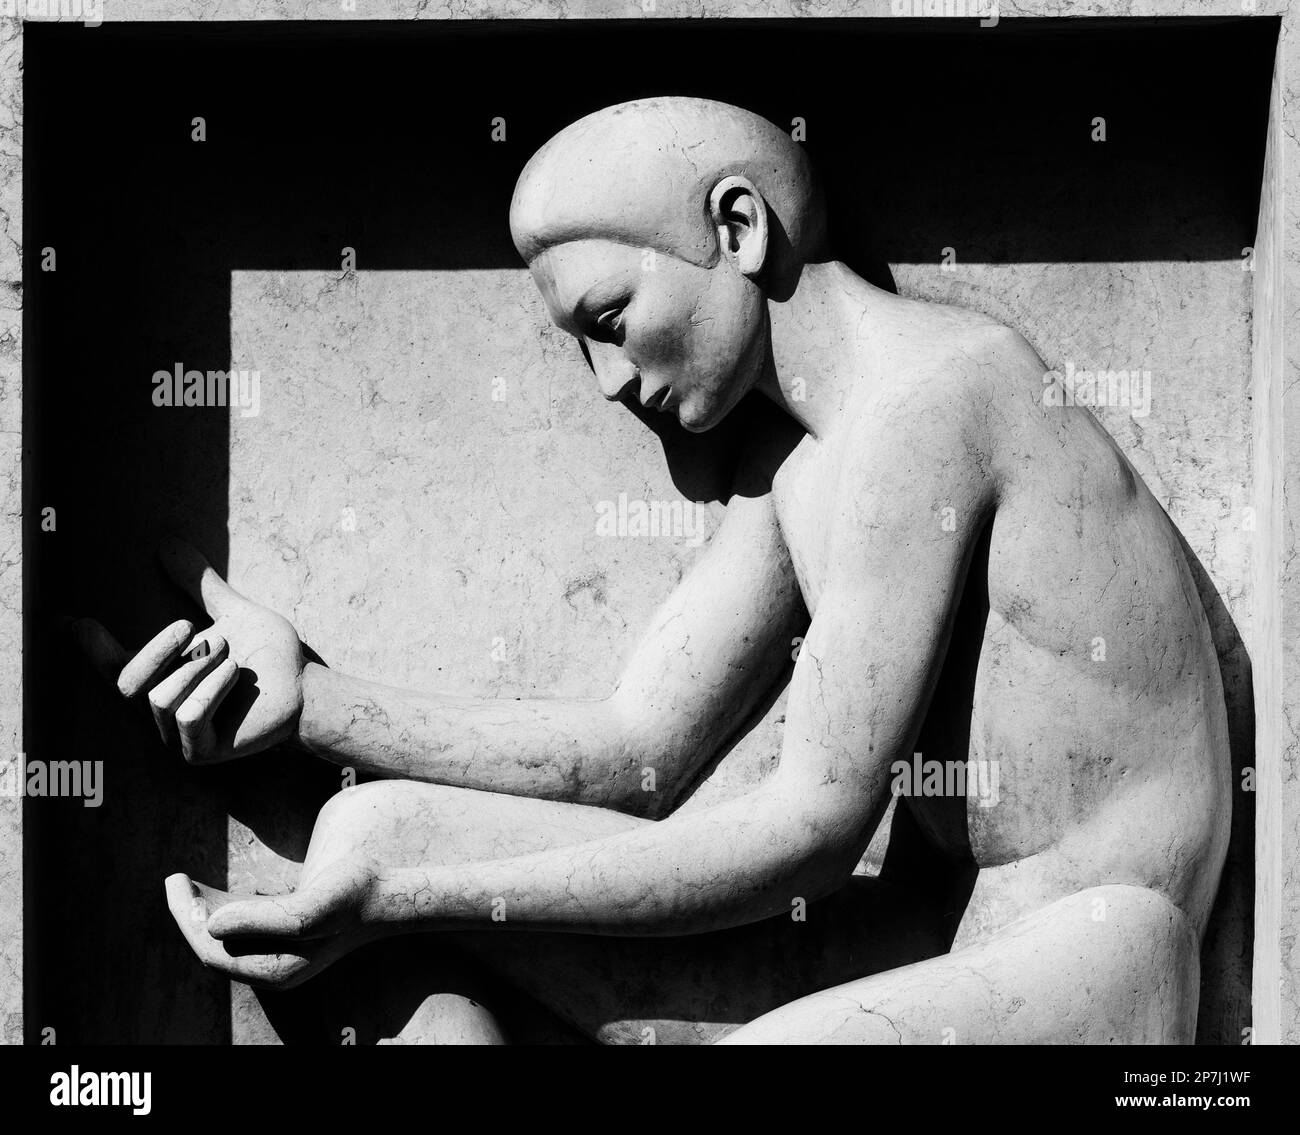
(819, 346)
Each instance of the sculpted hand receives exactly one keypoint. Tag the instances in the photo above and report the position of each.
(280, 941)
(232, 689)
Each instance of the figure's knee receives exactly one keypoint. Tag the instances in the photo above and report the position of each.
(1118, 927)
(1114, 964)
(350, 806)
(1136, 954)
(379, 800)
(1136, 919)
(388, 819)
(1107, 965)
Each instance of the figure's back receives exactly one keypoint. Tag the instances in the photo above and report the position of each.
(1097, 688)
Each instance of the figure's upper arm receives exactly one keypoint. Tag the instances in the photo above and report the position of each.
(714, 652)
(911, 505)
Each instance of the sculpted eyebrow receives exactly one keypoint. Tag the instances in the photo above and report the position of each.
(597, 299)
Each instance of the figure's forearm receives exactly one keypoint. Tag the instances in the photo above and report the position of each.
(709, 870)
(550, 749)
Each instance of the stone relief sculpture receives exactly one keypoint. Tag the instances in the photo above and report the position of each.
(974, 572)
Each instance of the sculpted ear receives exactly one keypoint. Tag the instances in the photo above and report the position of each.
(740, 216)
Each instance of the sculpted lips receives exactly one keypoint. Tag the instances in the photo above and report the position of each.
(657, 399)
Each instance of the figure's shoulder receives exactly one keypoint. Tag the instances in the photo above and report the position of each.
(933, 357)
(946, 378)
(971, 341)
(950, 339)
(1000, 350)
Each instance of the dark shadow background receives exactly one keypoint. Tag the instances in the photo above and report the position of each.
(379, 137)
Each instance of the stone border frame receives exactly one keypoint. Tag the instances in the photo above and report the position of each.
(1275, 391)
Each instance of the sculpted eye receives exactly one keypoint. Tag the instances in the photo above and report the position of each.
(611, 320)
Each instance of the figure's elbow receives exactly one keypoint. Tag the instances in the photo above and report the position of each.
(820, 837)
(653, 758)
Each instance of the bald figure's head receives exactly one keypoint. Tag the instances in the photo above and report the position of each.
(641, 173)
(658, 232)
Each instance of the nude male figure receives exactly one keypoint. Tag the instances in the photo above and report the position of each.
(1095, 870)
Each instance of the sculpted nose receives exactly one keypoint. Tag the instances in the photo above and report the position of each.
(615, 391)
(614, 373)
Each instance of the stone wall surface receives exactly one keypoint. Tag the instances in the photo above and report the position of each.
(11, 630)
(1284, 641)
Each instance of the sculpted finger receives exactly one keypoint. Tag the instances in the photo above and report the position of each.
(190, 571)
(191, 904)
(194, 717)
(167, 697)
(145, 669)
(279, 916)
